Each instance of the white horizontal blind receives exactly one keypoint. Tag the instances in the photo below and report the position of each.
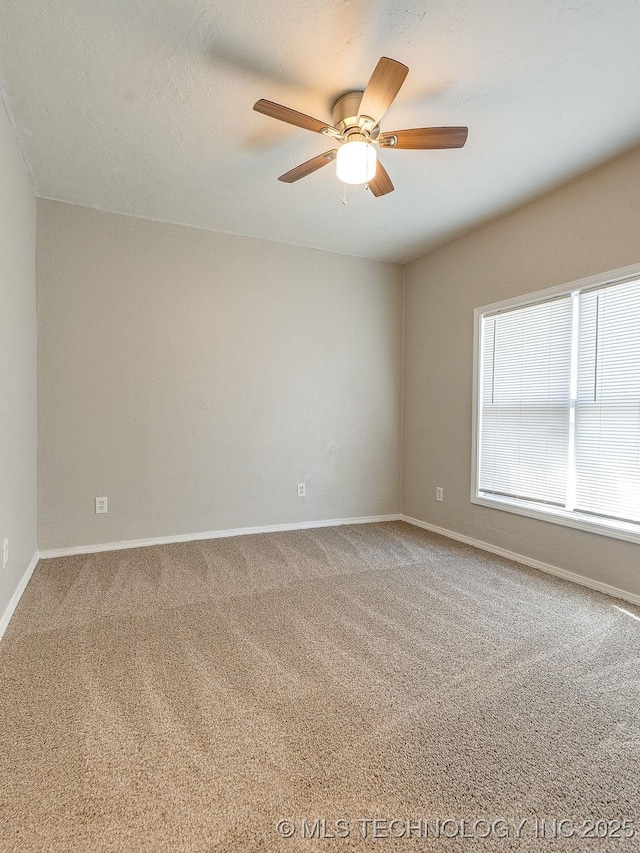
(608, 403)
(525, 402)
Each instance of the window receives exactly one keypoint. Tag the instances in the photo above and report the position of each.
(557, 405)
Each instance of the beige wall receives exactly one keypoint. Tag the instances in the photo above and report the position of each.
(18, 417)
(590, 226)
(194, 378)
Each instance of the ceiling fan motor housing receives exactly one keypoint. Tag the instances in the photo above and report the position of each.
(345, 115)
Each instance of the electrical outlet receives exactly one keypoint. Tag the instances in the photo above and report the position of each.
(5, 553)
(439, 493)
(302, 490)
(101, 505)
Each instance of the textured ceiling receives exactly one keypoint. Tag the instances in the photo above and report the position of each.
(145, 107)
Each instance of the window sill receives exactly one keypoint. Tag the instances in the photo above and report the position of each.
(579, 521)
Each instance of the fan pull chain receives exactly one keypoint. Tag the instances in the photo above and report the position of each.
(344, 194)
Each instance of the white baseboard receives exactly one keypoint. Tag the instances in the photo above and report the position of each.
(527, 561)
(212, 534)
(17, 595)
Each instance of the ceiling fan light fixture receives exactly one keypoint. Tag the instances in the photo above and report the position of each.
(356, 162)
(356, 128)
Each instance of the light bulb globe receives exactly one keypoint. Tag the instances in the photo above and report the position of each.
(356, 162)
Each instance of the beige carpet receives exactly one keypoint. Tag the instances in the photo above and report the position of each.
(188, 697)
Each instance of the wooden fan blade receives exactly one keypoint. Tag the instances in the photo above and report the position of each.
(381, 184)
(268, 108)
(425, 137)
(386, 80)
(307, 168)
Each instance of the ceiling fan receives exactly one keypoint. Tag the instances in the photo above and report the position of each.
(356, 117)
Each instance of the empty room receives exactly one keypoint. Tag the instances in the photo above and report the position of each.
(319, 426)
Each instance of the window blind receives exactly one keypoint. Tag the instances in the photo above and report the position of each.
(559, 403)
(526, 378)
(608, 403)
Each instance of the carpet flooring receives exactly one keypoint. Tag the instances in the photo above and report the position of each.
(220, 695)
